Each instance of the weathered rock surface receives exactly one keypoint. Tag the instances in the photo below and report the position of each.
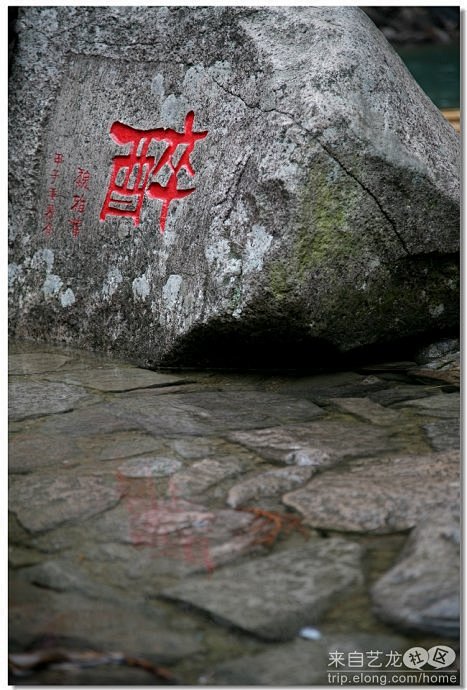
(117, 378)
(269, 483)
(379, 495)
(299, 229)
(112, 505)
(320, 443)
(274, 596)
(37, 447)
(367, 409)
(29, 363)
(41, 503)
(203, 475)
(300, 662)
(422, 591)
(149, 467)
(444, 435)
(446, 406)
(209, 412)
(79, 622)
(31, 399)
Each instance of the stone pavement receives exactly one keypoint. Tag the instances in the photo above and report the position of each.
(202, 520)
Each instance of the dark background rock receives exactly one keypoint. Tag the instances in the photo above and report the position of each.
(404, 25)
(326, 210)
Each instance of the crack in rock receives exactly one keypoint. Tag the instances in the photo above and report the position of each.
(329, 153)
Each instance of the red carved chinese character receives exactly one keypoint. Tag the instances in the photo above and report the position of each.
(133, 175)
(75, 226)
(82, 179)
(79, 203)
(47, 230)
(49, 214)
(52, 193)
(58, 158)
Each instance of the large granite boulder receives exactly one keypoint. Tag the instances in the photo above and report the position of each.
(191, 185)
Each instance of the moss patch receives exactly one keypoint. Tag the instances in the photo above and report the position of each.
(326, 235)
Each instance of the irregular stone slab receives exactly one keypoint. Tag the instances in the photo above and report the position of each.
(399, 393)
(33, 399)
(149, 467)
(298, 184)
(29, 450)
(444, 435)
(422, 591)
(274, 596)
(301, 662)
(366, 409)
(76, 621)
(35, 362)
(442, 405)
(44, 502)
(269, 483)
(119, 444)
(320, 387)
(203, 475)
(319, 443)
(379, 495)
(211, 413)
(33, 449)
(64, 574)
(117, 378)
(450, 376)
(446, 369)
(95, 420)
(179, 536)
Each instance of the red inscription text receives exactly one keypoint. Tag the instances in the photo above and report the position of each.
(133, 174)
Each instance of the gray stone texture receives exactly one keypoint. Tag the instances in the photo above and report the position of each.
(422, 591)
(269, 483)
(444, 405)
(301, 662)
(368, 410)
(211, 412)
(117, 378)
(273, 597)
(326, 202)
(29, 363)
(79, 622)
(42, 503)
(202, 475)
(444, 435)
(320, 443)
(34, 399)
(379, 495)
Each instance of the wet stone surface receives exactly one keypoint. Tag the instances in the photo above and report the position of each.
(280, 593)
(200, 525)
(422, 589)
(300, 662)
(379, 494)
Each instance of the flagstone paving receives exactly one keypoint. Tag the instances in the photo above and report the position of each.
(201, 521)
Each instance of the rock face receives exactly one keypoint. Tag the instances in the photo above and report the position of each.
(220, 178)
(422, 591)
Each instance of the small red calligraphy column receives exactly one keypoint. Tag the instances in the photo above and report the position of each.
(133, 174)
(52, 195)
(78, 205)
